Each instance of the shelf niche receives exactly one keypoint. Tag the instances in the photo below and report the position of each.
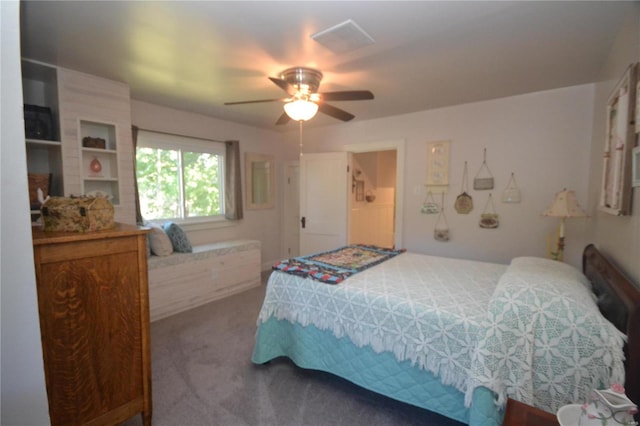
(40, 88)
(105, 180)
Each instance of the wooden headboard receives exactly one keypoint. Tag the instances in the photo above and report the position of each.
(619, 302)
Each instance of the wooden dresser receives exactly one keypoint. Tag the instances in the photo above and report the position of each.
(521, 414)
(93, 303)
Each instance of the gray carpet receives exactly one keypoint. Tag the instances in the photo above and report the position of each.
(203, 375)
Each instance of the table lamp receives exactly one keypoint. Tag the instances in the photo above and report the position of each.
(565, 205)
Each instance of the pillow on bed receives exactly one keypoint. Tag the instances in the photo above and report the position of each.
(159, 241)
(560, 273)
(539, 265)
(179, 240)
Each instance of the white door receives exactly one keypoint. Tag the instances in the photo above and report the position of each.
(292, 210)
(324, 189)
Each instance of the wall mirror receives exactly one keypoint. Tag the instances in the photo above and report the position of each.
(259, 181)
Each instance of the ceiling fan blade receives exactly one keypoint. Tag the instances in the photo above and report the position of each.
(284, 85)
(335, 112)
(284, 119)
(347, 95)
(256, 101)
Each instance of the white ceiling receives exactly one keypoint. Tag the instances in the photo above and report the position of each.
(197, 55)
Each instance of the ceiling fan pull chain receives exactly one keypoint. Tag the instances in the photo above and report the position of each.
(300, 124)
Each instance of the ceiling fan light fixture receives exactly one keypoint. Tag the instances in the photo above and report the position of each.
(301, 110)
(304, 101)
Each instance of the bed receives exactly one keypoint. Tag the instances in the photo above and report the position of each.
(457, 337)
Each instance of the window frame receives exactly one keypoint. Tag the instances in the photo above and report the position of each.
(179, 143)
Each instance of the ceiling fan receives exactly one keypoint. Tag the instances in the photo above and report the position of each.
(301, 84)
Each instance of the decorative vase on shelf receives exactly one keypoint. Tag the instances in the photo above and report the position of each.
(95, 166)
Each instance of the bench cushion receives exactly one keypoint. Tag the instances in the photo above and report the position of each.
(202, 252)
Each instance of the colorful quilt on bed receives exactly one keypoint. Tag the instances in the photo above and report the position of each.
(335, 266)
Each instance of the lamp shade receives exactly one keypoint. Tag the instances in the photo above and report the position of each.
(301, 110)
(565, 204)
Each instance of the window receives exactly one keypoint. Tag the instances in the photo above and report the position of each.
(179, 178)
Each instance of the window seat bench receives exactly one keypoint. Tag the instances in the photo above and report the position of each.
(183, 281)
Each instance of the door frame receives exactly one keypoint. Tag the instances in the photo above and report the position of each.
(288, 206)
(387, 145)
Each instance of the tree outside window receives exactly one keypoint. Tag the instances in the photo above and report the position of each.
(180, 182)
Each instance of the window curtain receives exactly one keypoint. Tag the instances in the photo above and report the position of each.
(134, 138)
(233, 181)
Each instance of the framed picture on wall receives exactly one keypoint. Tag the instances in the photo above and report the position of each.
(359, 190)
(438, 166)
(635, 169)
(615, 195)
(637, 99)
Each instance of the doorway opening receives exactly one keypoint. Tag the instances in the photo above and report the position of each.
(391, 177)
(372, 205)
(327, 195)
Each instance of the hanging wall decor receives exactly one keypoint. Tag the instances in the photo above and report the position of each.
(464, 202)
(441, 230)
(486, 180)
(429, 206)
(635, 169)
(438, 166)
(354, 179)
(615, 196)
(637, 120)
(489, 217)
(95, 166)
(359, 190)
(511, 194)
(369, 196)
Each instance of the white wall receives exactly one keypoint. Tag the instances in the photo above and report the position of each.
(617, 236)
(544, 138)
(24, 398)
(263, 225)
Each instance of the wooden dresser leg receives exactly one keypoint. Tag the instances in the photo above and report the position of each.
(146, 418)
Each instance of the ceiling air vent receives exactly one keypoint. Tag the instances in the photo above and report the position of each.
(344, 37)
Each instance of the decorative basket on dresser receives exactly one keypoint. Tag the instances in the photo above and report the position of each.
(93, 303)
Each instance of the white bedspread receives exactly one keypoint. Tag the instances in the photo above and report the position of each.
(530, 331)
(545, 341)
(423, 309)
